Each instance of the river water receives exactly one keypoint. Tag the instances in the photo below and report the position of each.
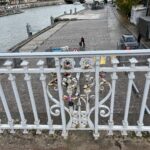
(13, 28)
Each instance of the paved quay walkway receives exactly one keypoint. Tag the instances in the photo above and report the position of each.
(33, 44)
(97, 27)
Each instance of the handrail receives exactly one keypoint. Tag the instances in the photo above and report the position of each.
(76, 54)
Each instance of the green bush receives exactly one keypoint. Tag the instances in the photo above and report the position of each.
(126, 5)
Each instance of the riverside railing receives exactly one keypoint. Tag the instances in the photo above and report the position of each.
(75, 91)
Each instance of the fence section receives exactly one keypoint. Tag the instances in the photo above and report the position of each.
(76, 93)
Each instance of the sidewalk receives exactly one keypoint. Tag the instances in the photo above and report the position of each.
(78, 140)
(130, 27)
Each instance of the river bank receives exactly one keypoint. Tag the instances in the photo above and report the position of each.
(17, 9)
(9, 10)
(41, 4)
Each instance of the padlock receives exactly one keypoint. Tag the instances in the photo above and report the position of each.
(70, 103)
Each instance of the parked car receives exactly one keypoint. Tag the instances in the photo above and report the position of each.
(72, 1)
(95, 4)
(127, 41)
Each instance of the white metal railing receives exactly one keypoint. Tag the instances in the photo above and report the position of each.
(78, 92)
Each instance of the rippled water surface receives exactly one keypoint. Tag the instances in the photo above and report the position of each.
(13, 28)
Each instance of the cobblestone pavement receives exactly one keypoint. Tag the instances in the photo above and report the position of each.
(100, 34)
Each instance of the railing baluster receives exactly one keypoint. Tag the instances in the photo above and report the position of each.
(60, 90)
(27, 78)
(101, 108)
(114, 78)
(18, 101)
(6, 108)
(144, 100)
(96, 133)
(43, 80)
(131, 76)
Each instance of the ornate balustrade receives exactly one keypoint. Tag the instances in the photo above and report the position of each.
(75, 92)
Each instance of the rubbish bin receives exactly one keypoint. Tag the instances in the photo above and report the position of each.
(16, 61)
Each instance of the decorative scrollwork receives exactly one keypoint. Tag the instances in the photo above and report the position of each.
(55, 110)
(104, 111)
(79, 107)
(87, 63)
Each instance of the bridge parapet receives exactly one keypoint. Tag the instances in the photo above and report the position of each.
(76, 92)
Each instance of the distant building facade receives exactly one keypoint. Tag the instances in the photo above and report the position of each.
(15, 2)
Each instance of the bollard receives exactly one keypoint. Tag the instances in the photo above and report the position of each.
(52, 21)
(65, 13)
(70, 11)
(29, 30)
(75, 10)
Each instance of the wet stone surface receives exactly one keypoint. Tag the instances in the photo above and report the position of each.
(101, 34)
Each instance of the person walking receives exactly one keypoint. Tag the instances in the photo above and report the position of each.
(82, 43)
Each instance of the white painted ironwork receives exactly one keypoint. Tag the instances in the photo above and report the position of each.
(114, 78)
(27, 78)
(8, 64)
(77, 93)
(131, 76)
(40, 63)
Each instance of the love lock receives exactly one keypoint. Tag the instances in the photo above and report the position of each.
(53, 82)
(102, 74)
(87, 89)
(70, 103)
(70, 100)
(67, 65)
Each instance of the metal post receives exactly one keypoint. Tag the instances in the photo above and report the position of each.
(70, 11)
(63, 116)
(16, 93)
(29, 30)
(144, 100)
(131, 76)
(114, 78)
(96, 133)
(40, 63)
(75, 10)
(27, 78)
(52, 21)
(65, 13)
(8, 114)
